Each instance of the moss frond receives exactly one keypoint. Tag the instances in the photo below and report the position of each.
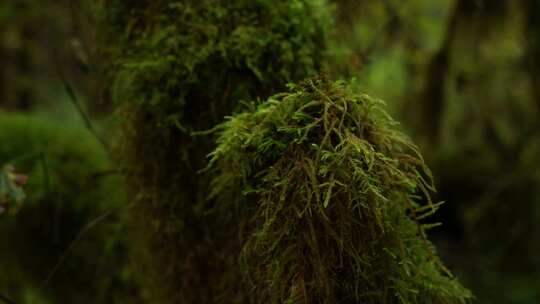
(331, 192)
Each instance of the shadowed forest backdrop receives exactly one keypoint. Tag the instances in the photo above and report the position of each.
(141, 191)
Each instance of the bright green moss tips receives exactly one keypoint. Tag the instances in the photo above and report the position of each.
(331, 202)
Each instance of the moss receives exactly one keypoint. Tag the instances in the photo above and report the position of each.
(174, 54)
(68, 188)
(178, 67)
(328, 194)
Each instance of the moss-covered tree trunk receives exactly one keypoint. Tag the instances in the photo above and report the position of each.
(177, 68)
(180, 67)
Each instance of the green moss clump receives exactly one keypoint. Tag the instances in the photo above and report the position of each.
(328, 194)
(178, 67)
(69, 186)
(174, 57)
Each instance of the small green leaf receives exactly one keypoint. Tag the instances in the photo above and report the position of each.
(11, 191)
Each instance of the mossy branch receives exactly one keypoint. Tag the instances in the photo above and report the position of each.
(328, 185)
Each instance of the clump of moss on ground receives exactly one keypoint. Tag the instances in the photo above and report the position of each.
(70, 185)
(178, 67)
(327, 193)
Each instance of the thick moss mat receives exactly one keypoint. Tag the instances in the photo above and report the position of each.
(333, 200)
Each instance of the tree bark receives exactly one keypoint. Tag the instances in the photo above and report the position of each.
(532, 61)
(437, 72)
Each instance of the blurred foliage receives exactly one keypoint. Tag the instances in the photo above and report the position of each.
(467, 92)
(50, 252)
(35, 44)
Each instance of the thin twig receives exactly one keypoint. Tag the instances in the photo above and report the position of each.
(6, 299)
(75, 101)
(86, 228)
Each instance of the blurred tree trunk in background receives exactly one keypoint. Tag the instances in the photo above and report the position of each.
(3, 76)
(23, 91)
(439, 67)
(34, 44)
(437, 71)
(532, 63)
(17, 88)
